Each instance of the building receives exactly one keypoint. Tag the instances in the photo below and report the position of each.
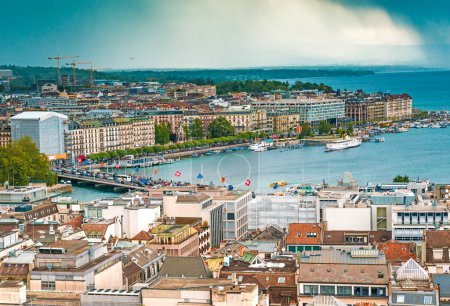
(46, 129)
(75, 266)
(176, 239)
(221, 292)
(283, 121)
(311, 110)
(397, 106)
(354, 276)
(412, 285)
(197, 205)
(101, 135)
(397, 252)
(364, 109)
(5, 132)
(304, 237)
(13, 292)
(435, 251)
(172, 117)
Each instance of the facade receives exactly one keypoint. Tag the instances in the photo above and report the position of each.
(172, 117)
(304, 237)
(309, 110)
(353, 277)
(398, 106)
(46, 129)
(364, 109)
(197, 205)
(75, 266)
(5, 132)
(435, 251)
(235, 219)
(176, 239)
(102, 135)
(283, 121)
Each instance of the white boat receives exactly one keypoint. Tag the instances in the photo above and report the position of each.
(344, 143)
(402, 129)
(379, 139)
(260, 146)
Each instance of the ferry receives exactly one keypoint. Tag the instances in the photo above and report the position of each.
(344, 143)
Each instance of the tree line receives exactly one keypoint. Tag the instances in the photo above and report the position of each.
(258, 86)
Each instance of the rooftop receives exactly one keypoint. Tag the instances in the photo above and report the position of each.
(38, 116)
(191, 267)
(354, 257)
(175, 283)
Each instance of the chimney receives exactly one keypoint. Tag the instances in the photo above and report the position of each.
(233, 278)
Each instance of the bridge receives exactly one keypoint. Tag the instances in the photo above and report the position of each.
(98, 182)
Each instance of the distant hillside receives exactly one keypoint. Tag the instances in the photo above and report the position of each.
(27, 76)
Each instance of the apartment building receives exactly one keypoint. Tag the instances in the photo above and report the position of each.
(5, 132)
(102, 135)
(172, 117)
(397, 106)
(176, 239)
(355, 276)
(283, 121)
(364, 109)
(75, 266)
(435, 251)
(309, 110)
(197, 205)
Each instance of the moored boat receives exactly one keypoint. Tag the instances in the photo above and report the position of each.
(344, 143)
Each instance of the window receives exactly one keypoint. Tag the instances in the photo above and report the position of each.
(230, 216)
(281, 280)
(47, 285)
(362, 291)
(310, 289)
(377, 291)
(438, 253)
(344, 290)
(400, 298)
(427, 300)
(327, 290)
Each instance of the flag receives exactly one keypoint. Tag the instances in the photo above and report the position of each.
(200, 176)
(102, 165)
(248, 182)
(118, 166)
(177, 173)
(165, 183)
(155, 171)
(223, 179)
(230, 187)
(275, 186)
(85, 162)
(136, 169)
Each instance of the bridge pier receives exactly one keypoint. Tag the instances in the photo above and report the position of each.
(120, 189)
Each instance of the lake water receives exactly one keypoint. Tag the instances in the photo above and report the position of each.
(422, 153)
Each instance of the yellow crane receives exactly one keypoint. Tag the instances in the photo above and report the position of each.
(96, 69)
(74, 67)
(58, 59)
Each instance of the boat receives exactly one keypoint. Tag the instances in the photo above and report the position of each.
(379, 139)
(344, 143)
(209, 153)
(280, 184)
(260, 146)
(402, 129)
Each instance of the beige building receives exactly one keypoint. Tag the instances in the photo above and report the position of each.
(398, 106)
(75, 266)
(93, 136)
(176, 239)
(283, 121)
(5, 132)
(218, 292)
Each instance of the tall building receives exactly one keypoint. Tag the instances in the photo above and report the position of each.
(5, 132)
(46, 129)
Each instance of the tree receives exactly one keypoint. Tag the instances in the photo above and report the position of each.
(220, 127)
(324, 128)
(197, 129)
(132, 152)
(162, 134)
(113, 154)
(22, 161)
(306, 130)
(349, 129)
(121, 152)
(401, 179)
(187, 132)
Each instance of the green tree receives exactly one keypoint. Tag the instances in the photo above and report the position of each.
(220, 127)
(22, 161)
(324, 128)
(306, 130)
(401, 179)
(197, 129)
(113, 154)
(162, 134)
(121, 152)
(349, 129)
(132, 151)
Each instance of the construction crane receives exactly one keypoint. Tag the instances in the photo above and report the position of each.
(58, 59)
(74, 67)
(96, 69)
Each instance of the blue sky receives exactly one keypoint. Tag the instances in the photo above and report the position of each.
(223, 34)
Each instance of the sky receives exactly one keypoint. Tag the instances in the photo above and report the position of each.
(226, 33)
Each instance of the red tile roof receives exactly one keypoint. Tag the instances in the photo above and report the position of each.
(75, 223)
(437, 238)
(142, 236)
(398, 252)
(304, 233)
(95, 229)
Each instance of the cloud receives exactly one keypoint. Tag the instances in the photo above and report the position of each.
(236, 33)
